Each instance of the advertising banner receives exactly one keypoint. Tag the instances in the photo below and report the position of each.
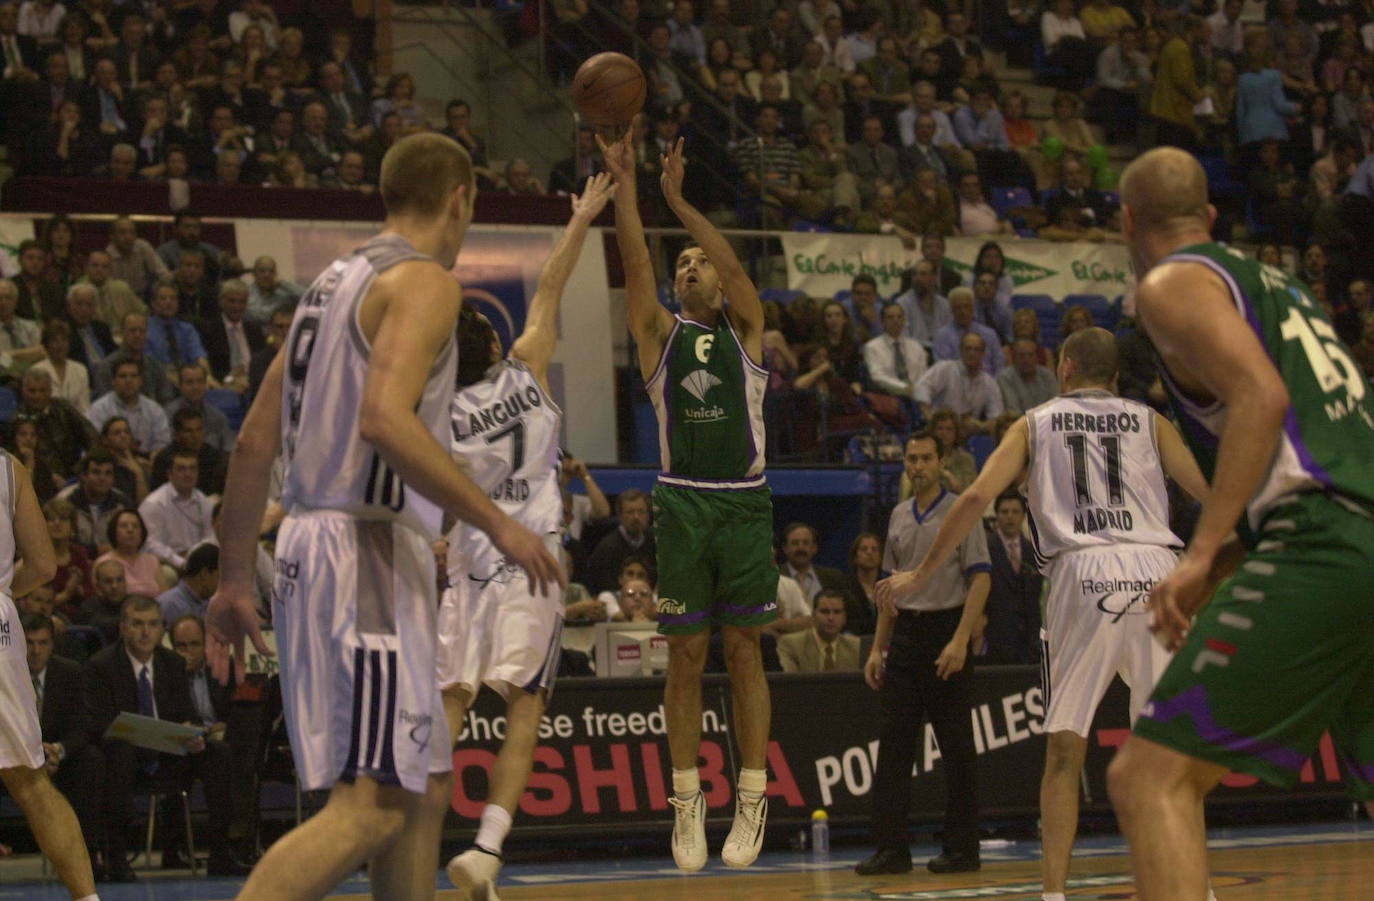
(603, 760)
(822, 264)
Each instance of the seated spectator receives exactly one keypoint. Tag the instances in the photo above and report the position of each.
(173, 340)
(211, 699)
(63, 433)
(976, 215)
(1333, 171)
(1026, 383)
(319, 150)
(636, 602)
(958, 469)
(277, 326)
(1011, 633)
(632, 535)
(810, 73)
(888, 73)
(665, 84)
(101, 609)
(1022, 133)
(352, 174)
(192, 388)
(518, 178)
(195, 295)
(290, 172)
(96, 305)
(570, 175)
(71, 761)
(606, 605)
(895, 362)
(1090, 206)
(1279, 196)
(1364, 348)
(962, 386)
(799, 546)
(956, 45)
(186, 238)
(191, 595)
(1075, 317)
(67, 146)
(131, 471)
(39, 297)
(458, 115)
(72, 583)
(926, 309)
(1271, 254)
(863, 308)
(828, 188)
(883, 217)
(770, 169)
(138, 675)
(1066, 43)
(1123, 72)
(865, 571)
(946, 343)
(188, 437)
(95, 500)
(229, 339)
(824, 647)
(127, 536)
(70, 379)
(1351, 315)
(1065, 133)
(20, 344)
(348, 114)
(992, 259)
(921, 154)
(105, 107)
(1345, 104)
(146, 419)
(864, 104)
(132, 261)
(825, 105)
(982, 130)
(134, 334)
(177, 514)
(928, 203)
(873, 161)
(267, 292)
(988, 308)
(23, 444)
(943, 138)
(834, 47)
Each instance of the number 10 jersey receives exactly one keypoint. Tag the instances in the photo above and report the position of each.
(328, 464)
(1095, 475)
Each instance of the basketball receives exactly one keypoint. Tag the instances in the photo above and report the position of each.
(609, 89)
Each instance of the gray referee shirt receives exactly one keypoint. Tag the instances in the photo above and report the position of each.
(911, 532)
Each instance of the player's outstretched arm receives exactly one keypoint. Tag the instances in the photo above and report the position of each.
(537, 342)
(649, 322)
(30, 536)
(422, 302)
(232, 614)
(1178, 460)
(746, 311)
(1001, 471)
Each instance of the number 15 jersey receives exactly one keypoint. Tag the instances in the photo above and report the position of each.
(328, 464)
(1095, 475)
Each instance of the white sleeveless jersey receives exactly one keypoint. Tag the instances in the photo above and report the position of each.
(9, 500)
(506, 430)
(1095, 475)
(328, 464)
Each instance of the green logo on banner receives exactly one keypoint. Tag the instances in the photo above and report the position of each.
(1021, 272)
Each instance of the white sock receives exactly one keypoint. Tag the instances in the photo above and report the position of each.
(1211, 895)
(495, 826)
(1052, 896)
(89, 898)
(686, 784)
(752, 783)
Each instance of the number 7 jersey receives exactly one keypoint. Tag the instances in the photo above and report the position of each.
(1327, 444)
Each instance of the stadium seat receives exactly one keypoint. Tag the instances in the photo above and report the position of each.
(806, 225)
(1105, 313)
(781, 295)
(1046, 310)
(1006, 199)
(230, 403)
(844, 295)
(981, 447)
(9, 404)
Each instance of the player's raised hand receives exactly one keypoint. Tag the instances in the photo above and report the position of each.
(619, 155)
(674, 170)
(527, 551)
(600, 188)
(230, 618)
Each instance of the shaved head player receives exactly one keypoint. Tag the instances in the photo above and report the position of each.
(1281, 420)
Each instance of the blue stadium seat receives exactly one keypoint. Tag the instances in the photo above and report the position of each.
(781, 295)
(806, 225)
(9, 404)
(844, 295)
(1220, 184)
(1005, 199)
(230, 403)
(981, 446)
(1105, 313)
(1046, 310)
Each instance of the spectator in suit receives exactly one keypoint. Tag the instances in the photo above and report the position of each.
(865, 571)
(132, 261)
(889, 75)
(101, 609)
(186, 238)
(72, 762)
(155, 136)
(1025, 383)
(267, 292)
(319, 149)
(956, 45)
(920, 151)
(1091, 206)
(191, 596)
(780, 36)
(989, 308)
(63, 433)
(138, 675)
(458, 115)
(799, 546)
(895, 361)
(114, 298)
(946, 344)
(172, 339)
(229, 339)
(569, 175)
(632, 535)
(192, 387)
(873, 161)
(825, 647)
(1011, 633)
(56, 87)
(862, 104)
(134, 56)
(926, 308)
(105, 105)
(188, 437)
(96, 501)
(38, 297)
(348, 115)
(810, 72)
(277, 326)
(134, 333)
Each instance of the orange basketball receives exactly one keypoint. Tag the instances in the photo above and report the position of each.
(609, 89)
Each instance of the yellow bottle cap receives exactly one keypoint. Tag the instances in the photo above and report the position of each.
(819, 815)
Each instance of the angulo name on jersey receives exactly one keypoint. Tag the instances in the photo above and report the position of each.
(513, 406)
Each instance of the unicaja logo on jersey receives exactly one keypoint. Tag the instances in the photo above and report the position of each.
(699, 382)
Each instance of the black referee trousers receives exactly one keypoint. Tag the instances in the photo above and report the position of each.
(911, 693)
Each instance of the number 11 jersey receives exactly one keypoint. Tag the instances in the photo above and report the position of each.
(1095, 475)
(328, 464)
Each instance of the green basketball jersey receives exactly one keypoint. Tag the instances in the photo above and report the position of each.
(1328, 434)
(708, 396)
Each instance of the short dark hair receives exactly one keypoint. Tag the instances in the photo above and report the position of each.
(475, 335)
(863, 278)
(36, 622)
(121, 362)
(183, 214)
(629, 494)
(202, 558)
(138, 603)
(794, 526)
(454, 104)
(923, 434)
(185, 414)
(833, 594)
(29, 244)
(113, 526)
(1010, 496)
(97, 456)
(645, 561)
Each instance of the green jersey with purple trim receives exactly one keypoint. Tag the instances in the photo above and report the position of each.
(1328, 433)
(708, 396)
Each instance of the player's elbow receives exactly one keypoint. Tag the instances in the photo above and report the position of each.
(375, 425)
(44, 566)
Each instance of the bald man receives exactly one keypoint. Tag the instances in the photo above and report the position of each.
(1282, 423)
(1094, 467)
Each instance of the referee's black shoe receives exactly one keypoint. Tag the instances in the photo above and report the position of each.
(885, 860)
(954, 863)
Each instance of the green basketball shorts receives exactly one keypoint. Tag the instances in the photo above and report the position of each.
(1283, 653)
(715, 558)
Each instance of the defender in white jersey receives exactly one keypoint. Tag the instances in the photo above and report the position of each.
(358, 405)
(1094, 467)
(494, 629)
(23, 756)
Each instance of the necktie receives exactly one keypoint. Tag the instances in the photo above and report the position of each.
(147, 759)
(343, 108)
(173, 350)
(12, 57)
(235, 345)
(899, 360)
(38, 694)
(12, 334)
(1014, 553)
(829, 663)
(873, 152)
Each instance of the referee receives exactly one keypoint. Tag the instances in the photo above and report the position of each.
(925, 637)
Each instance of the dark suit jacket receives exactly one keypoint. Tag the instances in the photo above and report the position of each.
(564, 177)
(165, 137)
(46, 303)
(357, 105)
(28, 51)
(148, 59)
(951, 60)
(855, 113)
(316, 162)
(1013, 609)
(216, 340)
(787, 49)
(603, 567)
(111, 688)
(64, 718)
(85, 151)
(90, 112)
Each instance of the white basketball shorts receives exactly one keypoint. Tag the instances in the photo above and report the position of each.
(493, 630)
(1097, 625)
(353, 606)
(21, 740)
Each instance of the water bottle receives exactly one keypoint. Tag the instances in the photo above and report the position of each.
(820, 832)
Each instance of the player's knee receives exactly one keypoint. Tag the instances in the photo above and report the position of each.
(1124, 780)
(687, 653)
(1063, 754)
(25, 785)
(742, 653)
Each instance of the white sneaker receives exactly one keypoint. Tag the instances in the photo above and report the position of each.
(689, 832)
(474, 874)
(745, 840)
